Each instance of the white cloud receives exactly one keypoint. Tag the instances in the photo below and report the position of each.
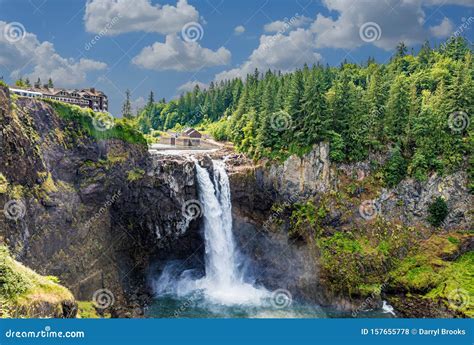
(175, 54)
(443, 29)
(32, 58)
(449, 2)
(396, 20)
(239, 30)
(286, 24)
(278, 52)
(137, 15)
(190, 85)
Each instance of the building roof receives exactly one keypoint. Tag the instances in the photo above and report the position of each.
(191, 131)
(56, 91)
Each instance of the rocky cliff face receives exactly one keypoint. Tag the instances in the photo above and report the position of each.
(90, 212)
(331, 252)
(301, 177)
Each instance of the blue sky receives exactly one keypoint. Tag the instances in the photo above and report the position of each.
(140, 44)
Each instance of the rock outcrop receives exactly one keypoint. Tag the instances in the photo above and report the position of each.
(265, 196)
(91, 212)
(301, 177)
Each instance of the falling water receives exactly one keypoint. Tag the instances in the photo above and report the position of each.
(224, 282)
(219, 241)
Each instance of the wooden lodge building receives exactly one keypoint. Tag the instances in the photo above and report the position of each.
(86, 98)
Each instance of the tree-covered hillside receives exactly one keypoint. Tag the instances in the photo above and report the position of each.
(416, 106)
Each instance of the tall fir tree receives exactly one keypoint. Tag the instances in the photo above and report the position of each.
(127, 106)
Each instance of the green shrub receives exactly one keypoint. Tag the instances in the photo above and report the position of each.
(85, 118)
(12, 283)
(438, 212)
(219, 130)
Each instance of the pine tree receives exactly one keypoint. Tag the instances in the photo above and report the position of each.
(397, 107)
(127, 106)
(316, 121)
(413, 111)
(50, 83)
(343, 104)
(294, 101)
(375, 100)
(426, 54)
(267, 136)
(151, 99)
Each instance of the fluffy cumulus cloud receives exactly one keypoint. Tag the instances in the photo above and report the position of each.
(382, 23)
(178, 55)
(239, 30)
(25, 55)
(112, 17)
(391, 21)
(444, 29)
(190, 85)
(286, 24)
(449, 2)
(278, 52)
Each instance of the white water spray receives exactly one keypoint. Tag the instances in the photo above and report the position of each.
(224, 282)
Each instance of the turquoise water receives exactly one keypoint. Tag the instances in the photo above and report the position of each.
(196, 306)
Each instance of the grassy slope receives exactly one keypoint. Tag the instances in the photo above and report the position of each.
(22, 287)
(428, 272)
(117, 128)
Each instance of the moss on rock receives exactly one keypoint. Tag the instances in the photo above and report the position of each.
(24, 293)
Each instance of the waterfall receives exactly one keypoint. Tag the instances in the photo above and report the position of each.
(224, 282)
(219, 241)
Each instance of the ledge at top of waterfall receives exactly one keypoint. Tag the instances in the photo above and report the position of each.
(224, 281)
